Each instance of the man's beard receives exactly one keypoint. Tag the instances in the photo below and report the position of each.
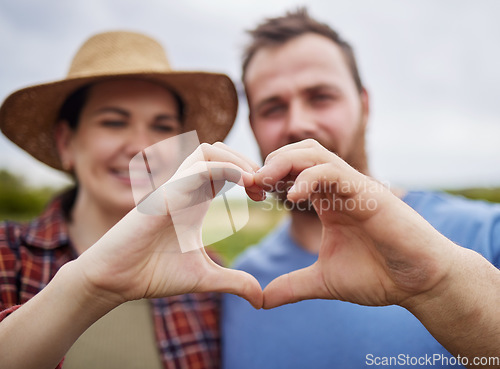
(355, 157)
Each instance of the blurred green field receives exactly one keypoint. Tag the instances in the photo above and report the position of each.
(491, 194)
(262, 218)
(21, 202)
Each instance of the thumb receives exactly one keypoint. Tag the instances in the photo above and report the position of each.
(302, 284)
(237, 282)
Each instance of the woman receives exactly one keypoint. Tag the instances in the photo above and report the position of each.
(91, 250)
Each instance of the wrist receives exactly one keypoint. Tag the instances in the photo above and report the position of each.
(449, 275)
(462, 309)
(84, 292)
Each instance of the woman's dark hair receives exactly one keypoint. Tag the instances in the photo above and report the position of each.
(70, 112)
(180, 105)
(72, 107)
(68, 198)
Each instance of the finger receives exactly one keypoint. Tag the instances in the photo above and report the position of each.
(253, 164)
(338, 187)
(201, 172)
(323, 177)
(304, 144)
(222, 153)
(256, 193)
(231, 173)
(289, 163)
(196, 184)
(237, 282)
(302, 284)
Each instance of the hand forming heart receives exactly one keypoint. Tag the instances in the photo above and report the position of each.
(357, 262)
(370, 253)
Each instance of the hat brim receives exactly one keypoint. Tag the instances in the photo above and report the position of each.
(28, 116)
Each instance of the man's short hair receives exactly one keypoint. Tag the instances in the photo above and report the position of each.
(277, 31)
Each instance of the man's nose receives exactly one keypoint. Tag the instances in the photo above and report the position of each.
(300, 124)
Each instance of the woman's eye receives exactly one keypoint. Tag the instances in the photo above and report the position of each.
(167, 128)
(164, 128)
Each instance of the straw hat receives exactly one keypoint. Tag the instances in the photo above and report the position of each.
(27, 116)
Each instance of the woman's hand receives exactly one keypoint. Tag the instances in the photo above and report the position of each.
(140, 257)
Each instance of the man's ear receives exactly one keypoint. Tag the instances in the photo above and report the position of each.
(64, 138)
(365, 106)
(250, 118)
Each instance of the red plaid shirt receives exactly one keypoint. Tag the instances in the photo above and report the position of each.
(187, 326)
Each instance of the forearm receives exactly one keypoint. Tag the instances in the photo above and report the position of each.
(462, 313)
(39, 333)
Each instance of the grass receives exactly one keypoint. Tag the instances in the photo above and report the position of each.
(262, 218)
(491, 194)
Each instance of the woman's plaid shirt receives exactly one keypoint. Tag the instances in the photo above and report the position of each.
(187, 326)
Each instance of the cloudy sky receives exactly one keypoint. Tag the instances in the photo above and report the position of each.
(431, 67)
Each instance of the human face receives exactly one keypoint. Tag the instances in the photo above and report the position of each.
(119, 119)
(304, 89)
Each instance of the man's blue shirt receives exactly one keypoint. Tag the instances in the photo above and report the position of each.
(334, 334)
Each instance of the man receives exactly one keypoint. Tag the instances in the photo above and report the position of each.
(302, 82)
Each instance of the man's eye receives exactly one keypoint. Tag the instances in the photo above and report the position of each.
(113, 123)
(273, 110)
(322, 97)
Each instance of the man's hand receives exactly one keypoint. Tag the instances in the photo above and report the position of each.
(375, 250)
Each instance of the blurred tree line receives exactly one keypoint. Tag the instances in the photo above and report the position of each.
(18, 201)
